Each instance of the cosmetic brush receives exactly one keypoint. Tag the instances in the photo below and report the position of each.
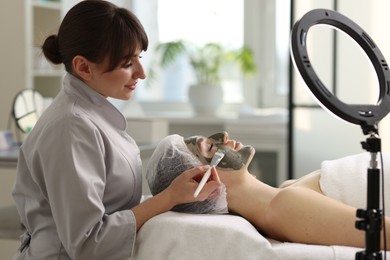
(214, 162)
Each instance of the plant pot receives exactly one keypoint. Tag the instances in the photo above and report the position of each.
(206, 100)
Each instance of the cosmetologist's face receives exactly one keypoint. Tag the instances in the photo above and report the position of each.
(119, 83)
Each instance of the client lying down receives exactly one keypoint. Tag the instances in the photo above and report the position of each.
(319, 208)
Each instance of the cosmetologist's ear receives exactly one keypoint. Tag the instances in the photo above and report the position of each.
(81, 67)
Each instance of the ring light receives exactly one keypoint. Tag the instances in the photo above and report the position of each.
(364, 115)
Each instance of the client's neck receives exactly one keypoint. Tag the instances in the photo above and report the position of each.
(246, 195)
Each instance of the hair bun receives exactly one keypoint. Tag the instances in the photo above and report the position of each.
(50, 49)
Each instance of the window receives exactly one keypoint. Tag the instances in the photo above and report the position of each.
(197, 21)
(282, 39)
(264, 26)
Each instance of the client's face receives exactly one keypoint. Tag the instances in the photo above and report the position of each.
(237, 155)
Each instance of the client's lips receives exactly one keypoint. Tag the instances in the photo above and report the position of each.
(238, 146)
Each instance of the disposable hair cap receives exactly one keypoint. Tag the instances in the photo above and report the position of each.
(170, 159)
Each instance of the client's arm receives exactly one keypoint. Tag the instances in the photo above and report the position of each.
(302, 215)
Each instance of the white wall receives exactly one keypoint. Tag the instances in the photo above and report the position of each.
(12, 79)
(12, 55)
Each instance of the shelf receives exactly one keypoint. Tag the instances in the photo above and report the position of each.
(45, 18)
(54, 5)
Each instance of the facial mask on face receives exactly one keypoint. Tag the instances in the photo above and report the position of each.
(236, 160)
(233, 160)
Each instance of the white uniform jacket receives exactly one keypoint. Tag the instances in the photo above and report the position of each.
(78, 175)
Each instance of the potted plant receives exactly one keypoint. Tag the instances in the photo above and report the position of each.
(207, 62)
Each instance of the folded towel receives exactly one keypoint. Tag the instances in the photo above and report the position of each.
(345, 179)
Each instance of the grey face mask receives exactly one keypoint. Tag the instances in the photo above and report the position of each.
(233, 160)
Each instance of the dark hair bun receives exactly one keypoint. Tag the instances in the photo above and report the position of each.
(50, 49)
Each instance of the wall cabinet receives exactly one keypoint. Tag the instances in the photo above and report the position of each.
(43, 19)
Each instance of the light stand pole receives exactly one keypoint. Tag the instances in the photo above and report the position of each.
(370, 220)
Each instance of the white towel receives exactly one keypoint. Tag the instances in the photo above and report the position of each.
(345, 179)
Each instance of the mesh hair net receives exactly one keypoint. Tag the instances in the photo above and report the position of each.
(170, 159)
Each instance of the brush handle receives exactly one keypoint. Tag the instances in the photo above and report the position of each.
(202, 182)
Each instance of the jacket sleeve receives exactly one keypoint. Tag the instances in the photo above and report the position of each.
(74, 183)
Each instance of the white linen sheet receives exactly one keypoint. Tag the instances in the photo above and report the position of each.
(182, 236)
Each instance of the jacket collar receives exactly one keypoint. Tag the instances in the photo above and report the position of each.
(75, 87)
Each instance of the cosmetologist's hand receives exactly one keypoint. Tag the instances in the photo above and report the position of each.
(183, 187)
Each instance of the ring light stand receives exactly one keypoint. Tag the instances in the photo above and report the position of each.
(367, 116)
